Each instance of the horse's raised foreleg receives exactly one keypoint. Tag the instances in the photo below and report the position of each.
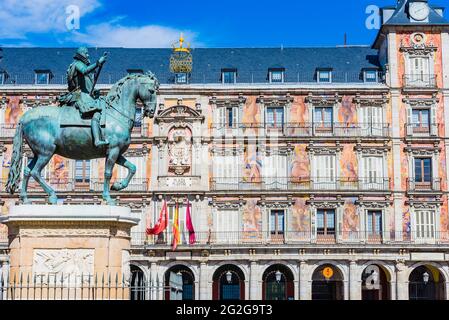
(41, 162)
(110, 161)
(120, 185)
(26, 178)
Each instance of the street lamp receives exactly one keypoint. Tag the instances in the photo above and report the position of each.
(278, 276)
(229, 276)
(425, 277)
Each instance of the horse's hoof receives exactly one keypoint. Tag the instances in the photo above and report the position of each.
(53, 199)
(110, 201)
(26, 201)
(117, 186)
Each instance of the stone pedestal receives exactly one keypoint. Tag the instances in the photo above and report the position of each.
(82, 245)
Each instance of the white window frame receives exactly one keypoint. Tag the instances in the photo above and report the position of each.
(318, 76)
(270, 75)
(369, 182)
(234, 73)
(365, 76)
(371, 120)
(36, 75)
(226, 171)
(418, 227)
(409, 57)
(274, 171)
(321, 182)
(224, 224)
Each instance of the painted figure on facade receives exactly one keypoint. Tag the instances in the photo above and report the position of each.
(50, 130)
(81, 80)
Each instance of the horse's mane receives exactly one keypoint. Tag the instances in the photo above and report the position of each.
(117, 88)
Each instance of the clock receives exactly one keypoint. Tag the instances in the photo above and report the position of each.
(419, 11)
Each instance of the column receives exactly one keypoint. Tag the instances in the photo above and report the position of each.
(354, 282)
(401, 282)
(254, 289)
(2, 279)
(305, 290)
(153, 284)
(204, 283)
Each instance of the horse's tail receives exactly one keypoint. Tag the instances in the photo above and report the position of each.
(16, 161)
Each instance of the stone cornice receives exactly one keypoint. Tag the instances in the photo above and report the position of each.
(434, 100)
(323, 100)
(225, 102)
(275, 100)
(371, 101)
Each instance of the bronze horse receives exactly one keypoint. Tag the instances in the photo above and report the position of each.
(41, 128)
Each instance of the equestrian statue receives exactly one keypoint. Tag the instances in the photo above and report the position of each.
(84, 126)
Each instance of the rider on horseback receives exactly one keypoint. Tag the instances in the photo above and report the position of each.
(81, 94)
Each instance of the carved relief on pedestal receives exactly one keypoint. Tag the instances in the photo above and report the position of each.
(65, 264)
(180, 150)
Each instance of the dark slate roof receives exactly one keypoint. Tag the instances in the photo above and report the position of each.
(252, 64)
(401, 17)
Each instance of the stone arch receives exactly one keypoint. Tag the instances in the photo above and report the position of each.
(243, 267)
(334, 263)
(285, 264)
(328, 288)
(187, 277)
(376, 283)
(228, 282)
(427, 281)
(278, 289)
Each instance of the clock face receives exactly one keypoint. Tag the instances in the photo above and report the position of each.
(419, 11)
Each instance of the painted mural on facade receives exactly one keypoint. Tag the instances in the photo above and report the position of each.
(252, 220)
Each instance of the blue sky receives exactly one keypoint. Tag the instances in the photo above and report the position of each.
(230, 23)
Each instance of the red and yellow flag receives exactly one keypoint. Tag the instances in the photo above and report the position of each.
(176, 233)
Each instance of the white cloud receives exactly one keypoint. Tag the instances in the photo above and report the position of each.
(20, 17)
(148, 36)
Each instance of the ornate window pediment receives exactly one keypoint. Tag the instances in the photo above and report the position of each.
(371, 101)
(418, 46)
(424, 204)
(179, 113)
(227, 204)
(323, 100)
(227, 102)
(422, 151)
(425, 102)
(325, 150)
(372, 150)
(325, 203)
(275, 204)
(275, 100)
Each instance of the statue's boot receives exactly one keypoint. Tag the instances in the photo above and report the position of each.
(96, 131)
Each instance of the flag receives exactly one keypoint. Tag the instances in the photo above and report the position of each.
(176, 235)
(161, 224)
(189, 223)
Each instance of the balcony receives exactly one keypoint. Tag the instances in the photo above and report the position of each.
(420, 81)
(300, 184)
(7, 130)
(294, 129)
(433, 185)
(291, 237)
(421, 130)
(71, 185)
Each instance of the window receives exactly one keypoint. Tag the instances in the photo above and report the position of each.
(324, 172)
(138, 118)
(370, 76)
(276, 75)
(419, 72)
(372, 168)
(423, 171)
(227, 226)
(275, 117)
(228, 76)
(425, 224)
(42, 77)
(275, 171)
(226, 172)
(134, 71)
(325, 222)
(82, 171)
(277, 222)
(421, 120)
(374, 223)
(324, 76)
(181, 78)
(323, 118)
(371, 121)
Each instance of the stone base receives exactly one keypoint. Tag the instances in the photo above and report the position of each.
(62, 240)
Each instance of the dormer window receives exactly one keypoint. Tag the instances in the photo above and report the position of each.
(276, 75)
(370, 75)
(42, 77)
(229, 76)
(324, 75)
(134, 71)
(181, 78)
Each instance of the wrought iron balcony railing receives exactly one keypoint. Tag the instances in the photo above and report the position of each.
(421, 130)
(243, 238)
(296, 129)
(421, 81)
(301, 183)
(87, 185)
(433, 185)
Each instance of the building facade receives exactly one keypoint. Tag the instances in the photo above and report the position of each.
(311, 173)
